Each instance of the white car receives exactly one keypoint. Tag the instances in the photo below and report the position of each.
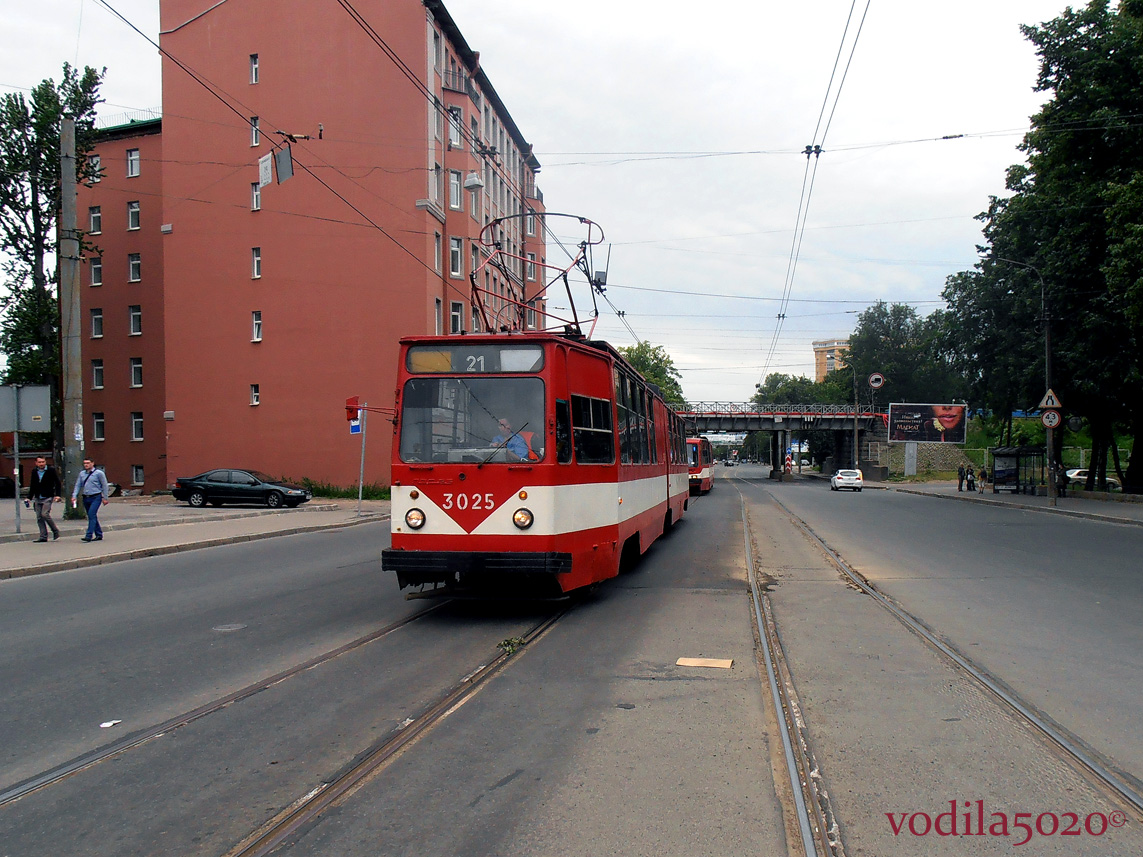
(846, 479)
(1078, 478)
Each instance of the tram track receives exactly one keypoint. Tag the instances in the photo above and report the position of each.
(137, 739)
(303, 811)
(1117, 783)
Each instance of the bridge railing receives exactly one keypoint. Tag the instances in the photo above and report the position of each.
(753, 409)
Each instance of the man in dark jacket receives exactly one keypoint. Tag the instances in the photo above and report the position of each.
(43, 490)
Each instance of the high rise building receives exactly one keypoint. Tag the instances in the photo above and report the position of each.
(829, 354)
(235, 317)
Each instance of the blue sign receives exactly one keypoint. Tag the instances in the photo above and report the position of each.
(355, 426)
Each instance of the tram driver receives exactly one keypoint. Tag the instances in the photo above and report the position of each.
(514, 442)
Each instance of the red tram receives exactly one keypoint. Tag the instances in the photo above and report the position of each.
(535, 463)
(700, 461)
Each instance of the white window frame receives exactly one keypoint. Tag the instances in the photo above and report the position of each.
(437, 251)
(135, 320)
(439, 317)
(98, 426)
(255, 132)
(456, 257)
(255, 263)
(530, 268)
(136, 426)
(96, 323)
(455, 123)
(97, 374)
(133, 215)
(138, 474)
(136, 372)
(134, 163)
(134, 267)
(96, 264)
(530, 223)
(95, 220)
(255, 196)
(255, 396)
(253, 68)
(256, 326)
(436, 180)
(475, 319)
(455, 190)
(455, 317)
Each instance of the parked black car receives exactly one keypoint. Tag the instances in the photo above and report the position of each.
(238, 486)
(7, 487)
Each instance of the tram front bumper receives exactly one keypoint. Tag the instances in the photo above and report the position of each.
(470, 568)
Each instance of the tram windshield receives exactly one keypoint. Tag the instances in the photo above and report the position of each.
(472, 420)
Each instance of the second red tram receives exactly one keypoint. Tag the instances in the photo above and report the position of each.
(700, 464)
(534, 463)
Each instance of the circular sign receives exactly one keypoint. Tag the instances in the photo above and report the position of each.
(1075, 423)
(1050, 419)
(876, 380)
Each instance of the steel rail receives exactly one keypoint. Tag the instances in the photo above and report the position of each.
(136, 739)
(799, 779)
(1056, 734)
(310, 806)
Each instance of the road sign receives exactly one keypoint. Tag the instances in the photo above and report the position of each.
(1050, 419)
(1050, 400)
(876, 380)
(355, 426)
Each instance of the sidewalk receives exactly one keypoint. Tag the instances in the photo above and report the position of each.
(136, 527)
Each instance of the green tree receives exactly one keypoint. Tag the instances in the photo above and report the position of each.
(655, 364)
(29, 211)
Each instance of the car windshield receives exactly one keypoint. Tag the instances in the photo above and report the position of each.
(472, 419)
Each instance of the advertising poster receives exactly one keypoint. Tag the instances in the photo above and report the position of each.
(927, 423)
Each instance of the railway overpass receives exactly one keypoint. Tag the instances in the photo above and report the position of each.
(788, 422)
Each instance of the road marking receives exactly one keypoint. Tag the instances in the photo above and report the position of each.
(716, 663)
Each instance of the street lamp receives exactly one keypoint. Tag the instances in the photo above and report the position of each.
(1049, 438)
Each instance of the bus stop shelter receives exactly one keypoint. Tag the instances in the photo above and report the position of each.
(1019, 469)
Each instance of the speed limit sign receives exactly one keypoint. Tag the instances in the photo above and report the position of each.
(1050, 419)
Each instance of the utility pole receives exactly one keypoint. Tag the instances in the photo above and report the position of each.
(70, 321)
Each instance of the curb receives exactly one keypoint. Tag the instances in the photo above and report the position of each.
(162, 550)
(1071, 513)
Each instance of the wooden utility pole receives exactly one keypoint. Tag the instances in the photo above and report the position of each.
(70, 321)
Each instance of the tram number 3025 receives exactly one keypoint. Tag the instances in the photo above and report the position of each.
(467, 501)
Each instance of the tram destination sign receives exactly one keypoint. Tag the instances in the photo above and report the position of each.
(927, 423)
(449, 358)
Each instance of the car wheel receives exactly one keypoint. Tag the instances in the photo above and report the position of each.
(197, 499)
(858, 490)
(833, 488)
(274, 500)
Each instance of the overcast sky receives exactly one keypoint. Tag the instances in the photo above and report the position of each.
(678, 128)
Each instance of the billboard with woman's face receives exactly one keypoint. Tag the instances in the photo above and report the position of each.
(927, 423)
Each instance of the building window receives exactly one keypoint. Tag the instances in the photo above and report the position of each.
(455, 192)
(95, 220)
(530, 268)
(97, 374)
(132, 163)
(253, 68)
(133, 215)
(438, 319)
(530, 223)
(475, 319)
(97, 425)
(255, 263)
(134, 267)
(96, 263)
(135, 320)
(435, 181)
(437, 251)
(255, 134)
(136, 371)
(137, 474)
(95, 165)
(256, 326)
(456, 257)
(136, 425)
(97, 323)
(255, 395)
(455, 120)
(456, 317)
(255, 196)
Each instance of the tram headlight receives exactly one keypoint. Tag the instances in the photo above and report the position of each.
(522, 518)
(415, 518)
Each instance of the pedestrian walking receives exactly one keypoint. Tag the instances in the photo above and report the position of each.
(91, 484)
(960, 478)
(45, 488)
(970, 480)
(983, 477)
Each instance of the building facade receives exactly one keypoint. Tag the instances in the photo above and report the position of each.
(275, 302)
(829, 354)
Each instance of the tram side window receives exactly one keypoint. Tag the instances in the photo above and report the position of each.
(621, 400)
(591, 430)
(563, 432)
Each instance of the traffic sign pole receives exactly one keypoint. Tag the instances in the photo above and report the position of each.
(362, 414)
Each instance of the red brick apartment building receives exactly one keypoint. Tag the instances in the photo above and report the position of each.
(228, 321)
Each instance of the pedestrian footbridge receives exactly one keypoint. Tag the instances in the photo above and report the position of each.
(703, 417)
